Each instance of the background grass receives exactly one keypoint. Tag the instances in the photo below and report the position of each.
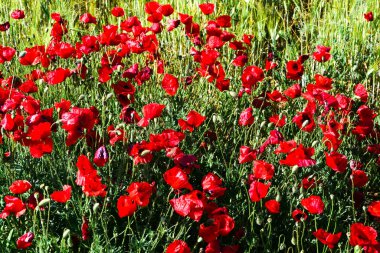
(287, 28)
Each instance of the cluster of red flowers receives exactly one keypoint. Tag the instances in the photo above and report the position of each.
(24, 120)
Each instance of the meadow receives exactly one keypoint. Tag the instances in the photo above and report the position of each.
(186, 126)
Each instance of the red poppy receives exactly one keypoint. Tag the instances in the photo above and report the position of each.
(327, 238)
(4, 27)
(246, 118)
(336, 161)
(87, 18)
(170, 84)
(12, 205)
(190, 205)
(258, 190)
(247, 154)
(165, 9)
(150, 111)
(207, 8)
(359, 178)
(140, 192)
(20, 186)
(361, 92)
(313, 204)
(322, 54)
(277, 121)
(126, 206)
(294, 70)
(25, 241)
(117, 11)
(85, 229)
(293, 91)
(18, 14)
(177, 179)
(178, 246)
(299, 215)
(193, 120)
(368, 16)
(62, 196)
(57, 76)
(308, 183)
(101, 156)
(362, 235)
(374, 209)
(211, 184)
(88, 178)
(300, 156)
(6, 53)
(263, 170)
(273, 206)
(251, 76)
(224, 21)
(216, 225)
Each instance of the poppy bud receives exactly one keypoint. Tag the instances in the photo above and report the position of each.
(145, 152)
(259, 221)
(294, 168)
(43, 202)
(95, 207)
(66, 233)
(262, 124)
(101, 156)
(22, 54)
(304, 124)
(233, 94)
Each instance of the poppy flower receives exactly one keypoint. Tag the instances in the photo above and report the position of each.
(217, 225)
(258, 190)
(85, 229)
(277, 121)
(293, 91)
(294, 70)
(211, 184)
(165, 9)
(322, 54)
(361, 92)
(191, 205)
(88, 178)
(126, 206)
(336, 161)
(140, 192)
(87, 18)
(313, 204)
(374, 209)
(359, 178)
(150, 111)
(246, 118)
(368, 16)
(170, 84)
(327, 238)
(193, 120)
(25, 241)
(6, 53)
(207, 8)
(272, 206)
(178, 246)
(117, 11)
(299, 215)
(20, 186)
(247, 154)
(4, 27)
(101, 156)
(224, 21)
(308, 183)
(362, 235)
(62, 196)
(300, 156)
(57, 76)
(18, 14)
(177, 179)
(251, 76)
(13, 205)
(263, 170)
